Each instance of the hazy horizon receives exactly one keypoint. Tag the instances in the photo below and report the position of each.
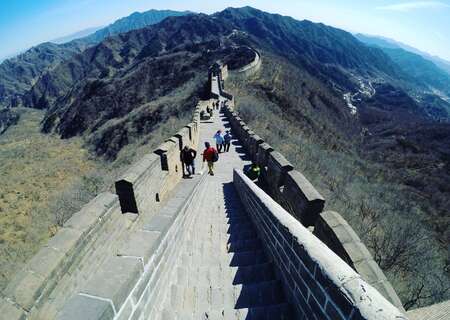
(407, 22)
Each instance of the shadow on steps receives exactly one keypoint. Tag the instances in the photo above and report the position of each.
(261, 295)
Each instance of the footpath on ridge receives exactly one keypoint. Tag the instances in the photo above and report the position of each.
(222, 271)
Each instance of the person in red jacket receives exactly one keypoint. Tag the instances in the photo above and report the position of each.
(210, 155)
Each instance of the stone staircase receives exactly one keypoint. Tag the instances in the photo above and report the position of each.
(223, 272)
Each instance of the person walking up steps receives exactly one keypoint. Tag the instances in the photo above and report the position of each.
(226, 141)
(187, 156)
(219, 140)
(210, 155)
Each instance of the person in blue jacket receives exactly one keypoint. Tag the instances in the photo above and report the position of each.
(219, 140)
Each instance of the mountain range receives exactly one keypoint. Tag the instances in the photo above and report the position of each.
(18, 74)
(383, 42)
(114, 87)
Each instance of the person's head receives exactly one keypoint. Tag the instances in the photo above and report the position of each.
(228, 131)
(219, 131)
(207, 145)
(186, 148)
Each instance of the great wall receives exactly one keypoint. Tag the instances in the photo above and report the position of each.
(217, 247)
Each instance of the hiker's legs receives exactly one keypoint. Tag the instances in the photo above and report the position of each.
(188, 168)
(210, 167)
(218, 147)
(191, 168)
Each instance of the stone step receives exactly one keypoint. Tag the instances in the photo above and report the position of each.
(244, 245)
(281, 311)
(248, 258)
(240, 227)
(253, 274)
(251, 300)
(260, 294)
(244, 235)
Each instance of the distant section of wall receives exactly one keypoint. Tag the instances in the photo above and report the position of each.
(83, 247)
(292, 190)
(252, 67)
(317, 282)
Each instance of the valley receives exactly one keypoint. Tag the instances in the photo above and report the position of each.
(34, 169)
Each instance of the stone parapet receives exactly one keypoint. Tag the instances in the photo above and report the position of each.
(130, 284)
(337, 234)
(35, 282)
(139, 190)
(317, 281)
(292, 190)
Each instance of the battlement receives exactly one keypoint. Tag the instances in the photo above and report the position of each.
(84, 246)
(317, 281)
(209, 245)
(292, 190)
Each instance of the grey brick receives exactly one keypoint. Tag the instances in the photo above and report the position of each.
(160, 223)
(115, 279)
(141, 244)
(82, 307)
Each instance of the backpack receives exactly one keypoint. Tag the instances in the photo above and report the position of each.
(215, 157)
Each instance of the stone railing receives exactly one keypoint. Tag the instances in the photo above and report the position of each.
(252, 67)
(39, 277)
(131, 284)
(316, 281)
(339, 236)
(292, 190)
(33, 291)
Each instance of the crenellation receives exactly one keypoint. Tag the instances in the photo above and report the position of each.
(324, 284)
(297, 195)
(305, 201)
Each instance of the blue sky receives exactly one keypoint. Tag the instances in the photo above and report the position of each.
(422, 24)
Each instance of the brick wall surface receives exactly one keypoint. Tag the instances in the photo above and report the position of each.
(139, 191)
(318, 283)
(292, 190)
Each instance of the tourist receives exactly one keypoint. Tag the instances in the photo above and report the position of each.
(209, 110)
(210, 155)
(187, 156)
(253, 172)
(226, 141)
(219, 140)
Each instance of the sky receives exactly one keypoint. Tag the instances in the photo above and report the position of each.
(424, 25)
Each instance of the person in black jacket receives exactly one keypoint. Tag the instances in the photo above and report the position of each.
(187, 156)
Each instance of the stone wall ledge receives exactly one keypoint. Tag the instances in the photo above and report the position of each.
(297, 195)
(334, 231)
(122, 280)
(41, 274)
(317, 280)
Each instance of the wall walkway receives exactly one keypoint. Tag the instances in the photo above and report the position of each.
(210, 247)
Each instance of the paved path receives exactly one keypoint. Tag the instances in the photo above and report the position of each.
(222, 272)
